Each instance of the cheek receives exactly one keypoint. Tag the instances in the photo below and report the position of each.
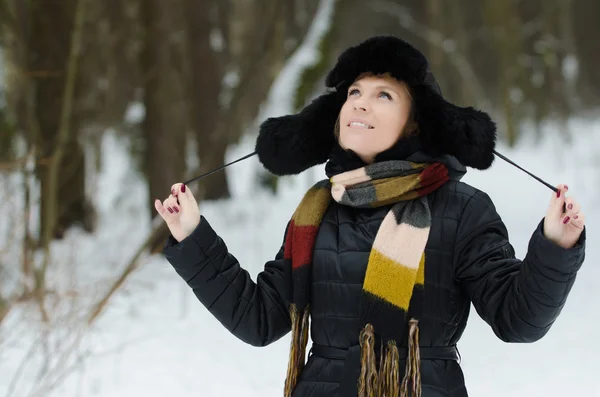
(346, 107)
(343, 118)
(398, 121)
(391, 130)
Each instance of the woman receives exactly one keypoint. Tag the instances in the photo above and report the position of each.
(387, 254)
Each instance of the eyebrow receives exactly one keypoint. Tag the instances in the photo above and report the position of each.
(385, 86)
(380, 86)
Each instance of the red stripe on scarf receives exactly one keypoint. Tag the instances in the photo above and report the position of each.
(289, 237)
(432, 178)
(300, 241)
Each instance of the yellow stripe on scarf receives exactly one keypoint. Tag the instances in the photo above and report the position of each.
(391, 281)
(313, 206)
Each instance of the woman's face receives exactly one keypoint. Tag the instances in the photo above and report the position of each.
(374, 115)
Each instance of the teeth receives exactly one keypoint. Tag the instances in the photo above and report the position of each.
(358, 124)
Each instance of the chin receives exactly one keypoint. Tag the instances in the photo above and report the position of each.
(360, 151)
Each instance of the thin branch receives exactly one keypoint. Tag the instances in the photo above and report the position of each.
(30, 353)
(60, 370)
(64, 133)
(19, 163)
(159, 229)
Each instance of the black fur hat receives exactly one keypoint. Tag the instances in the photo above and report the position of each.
(290, 144)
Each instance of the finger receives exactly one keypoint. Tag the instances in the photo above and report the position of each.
(578, 220)
(555, 209)
(175, 189)
(186, 197)
(160, 208)
(165, 210)
(572, 206)
(172, 205)
(170, 215)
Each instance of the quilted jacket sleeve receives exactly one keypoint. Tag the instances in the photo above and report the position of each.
(255, 312)
(520, 300)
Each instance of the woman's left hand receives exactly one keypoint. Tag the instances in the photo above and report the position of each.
(563, 228)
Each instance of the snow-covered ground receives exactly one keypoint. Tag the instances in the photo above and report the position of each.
(155, 339)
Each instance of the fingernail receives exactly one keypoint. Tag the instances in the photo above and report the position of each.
(182, 188)
(566, 187)
(558, 194)
(576, 216)
(170, 210)
(566, 220)
(175, 208)
(570, 206)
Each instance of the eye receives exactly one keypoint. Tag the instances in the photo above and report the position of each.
(353, 91)
(385, 94)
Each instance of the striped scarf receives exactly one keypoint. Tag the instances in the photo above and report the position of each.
(393, 285)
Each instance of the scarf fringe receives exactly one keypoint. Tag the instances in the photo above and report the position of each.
(389, 371)
(412, 374)
(386, 381)
(367, 381)
(300, 326)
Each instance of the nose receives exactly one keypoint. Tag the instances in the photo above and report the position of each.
(360, 104)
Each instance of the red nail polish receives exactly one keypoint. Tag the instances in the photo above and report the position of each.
(558, 194)
(576, 216)
(175, 209)
(182, 188)
(170, 210)
(566, 220)
(570, 206)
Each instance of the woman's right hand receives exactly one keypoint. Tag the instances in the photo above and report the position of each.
(182, 218)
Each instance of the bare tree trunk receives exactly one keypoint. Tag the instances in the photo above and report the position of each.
(119, 40)
(435, 53)
(586, 29)
(60, 170)
(505, 25)
(566, 31)
(63, 200)
(4, 308)
(459, 33)
(256, 52)
(204, 77)
(165, 122)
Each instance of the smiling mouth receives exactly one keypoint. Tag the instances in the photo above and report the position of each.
(358, 124)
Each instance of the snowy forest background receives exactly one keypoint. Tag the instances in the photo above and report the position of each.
(105, 104)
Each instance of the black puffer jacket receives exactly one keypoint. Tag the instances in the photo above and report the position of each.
(469, 259)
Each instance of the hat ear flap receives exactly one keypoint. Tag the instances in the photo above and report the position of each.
(290, 144)
(465, 133)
